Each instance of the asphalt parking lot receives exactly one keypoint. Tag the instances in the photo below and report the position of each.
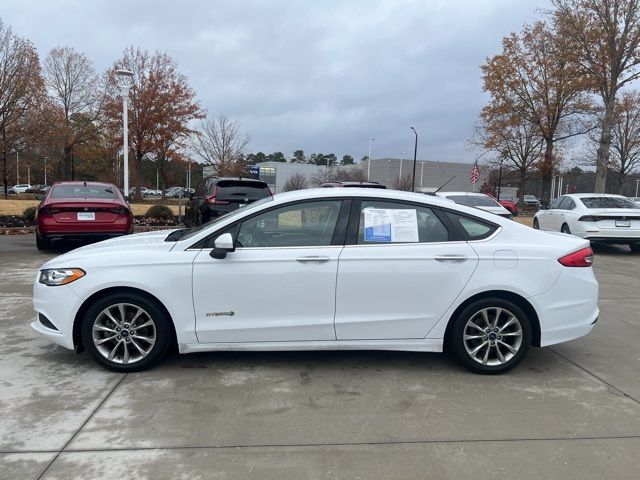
(571, 411)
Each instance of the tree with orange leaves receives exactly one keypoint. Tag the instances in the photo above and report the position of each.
(162, 105)
(536, 80)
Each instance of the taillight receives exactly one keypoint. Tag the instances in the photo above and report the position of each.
(588, 218)
(44, 211)
(581, 258)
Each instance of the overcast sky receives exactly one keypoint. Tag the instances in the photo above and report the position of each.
(322, 76)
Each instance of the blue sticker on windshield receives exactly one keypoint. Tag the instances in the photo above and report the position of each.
(378, 233)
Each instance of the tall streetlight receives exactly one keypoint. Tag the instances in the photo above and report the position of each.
(637, 182)
(125, 79)
(369, 160)
(400, 174)
(45, 169)
(415, 154)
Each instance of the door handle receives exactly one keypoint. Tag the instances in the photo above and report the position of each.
(451, 258)
(312, 259)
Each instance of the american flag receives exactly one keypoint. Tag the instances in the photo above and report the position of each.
(475, 173)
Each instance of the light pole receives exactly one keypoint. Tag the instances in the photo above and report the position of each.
(125, 78)
(637, 182)
(500, 178)
(369, 160)
(415, 154)
(157, 180)
(400, 173)
(45, 169)
(28, 174)
(17, 168)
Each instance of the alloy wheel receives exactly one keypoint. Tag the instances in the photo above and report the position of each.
(124, 333)
(492, 336)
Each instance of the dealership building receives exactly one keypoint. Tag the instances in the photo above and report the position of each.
(430, 175)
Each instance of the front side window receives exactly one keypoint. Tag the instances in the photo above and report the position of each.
(556, 203)
(389, 222)
(299, 225)
(567, 204)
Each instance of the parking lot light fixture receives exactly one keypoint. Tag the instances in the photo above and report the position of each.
(125, 77)
(415, 154)
(369, 161)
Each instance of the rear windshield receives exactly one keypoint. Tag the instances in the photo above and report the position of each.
(80, 191)
(473, 200)
(230, 190)
(608, 202)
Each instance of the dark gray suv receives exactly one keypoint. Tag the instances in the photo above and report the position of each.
(225, 194)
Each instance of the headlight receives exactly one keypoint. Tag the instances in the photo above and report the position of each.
(60, 276)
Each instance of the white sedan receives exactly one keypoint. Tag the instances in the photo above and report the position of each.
(324, 269)
(478, 200)
(597, 217)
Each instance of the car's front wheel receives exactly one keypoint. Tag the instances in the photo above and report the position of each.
(126, 332)
(491, 335)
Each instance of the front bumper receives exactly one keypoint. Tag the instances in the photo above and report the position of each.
(59, 305)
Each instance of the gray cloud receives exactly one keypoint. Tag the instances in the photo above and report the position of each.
(321, 76)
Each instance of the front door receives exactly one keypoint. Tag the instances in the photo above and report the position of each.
(279, 284)
(401, 275)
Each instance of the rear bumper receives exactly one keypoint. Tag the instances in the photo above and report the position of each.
(613, 239)
(83, 235)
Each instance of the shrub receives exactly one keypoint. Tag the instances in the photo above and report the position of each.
(161, 212)
(29, 214)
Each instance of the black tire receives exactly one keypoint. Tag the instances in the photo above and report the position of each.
(635, 247)
(565, 229)
(42, 243)
(456, 340)
(162, 330)
(536, 225)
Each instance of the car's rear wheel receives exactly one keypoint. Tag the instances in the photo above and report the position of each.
(126, 332)
(565, 229)
(491, 336)
(536, 225)
(635, 247)
(42, 243)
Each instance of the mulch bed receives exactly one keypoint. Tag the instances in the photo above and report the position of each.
(18, 225)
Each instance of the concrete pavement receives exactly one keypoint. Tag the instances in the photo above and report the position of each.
(571, 411)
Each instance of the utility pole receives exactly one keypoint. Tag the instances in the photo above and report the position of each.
(637, 182)
(500, 179)
(17, 168)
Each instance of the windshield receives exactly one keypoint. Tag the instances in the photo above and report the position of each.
(473, 200)
(190, 232)
(608, 202)
(81, 191)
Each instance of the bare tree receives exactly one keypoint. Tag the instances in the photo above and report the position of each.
(20, 86)
(607, 36)
(78, 92)
(297, 181)
(221, 144)
(403, 183)
(625, 137)
(513, 139)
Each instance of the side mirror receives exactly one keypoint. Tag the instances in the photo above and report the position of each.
(221, 246)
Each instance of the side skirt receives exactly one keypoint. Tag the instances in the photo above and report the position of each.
(411, 345)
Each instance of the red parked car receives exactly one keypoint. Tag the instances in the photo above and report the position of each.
(82, 210)
(509, 205)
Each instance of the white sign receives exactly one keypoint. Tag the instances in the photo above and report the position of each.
(383, 225)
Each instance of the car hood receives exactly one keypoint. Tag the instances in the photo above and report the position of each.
(127, 244)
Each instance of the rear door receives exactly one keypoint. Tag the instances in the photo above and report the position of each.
(403, 266)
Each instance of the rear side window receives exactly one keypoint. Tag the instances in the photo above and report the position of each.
(80, 191)
(390, 222)
(556, 203)
(475, 228)
(230, 190)
(567, 204)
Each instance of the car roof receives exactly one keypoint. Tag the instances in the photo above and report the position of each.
(77, 182)
(236, 179)
(589, 195)
(470, 194)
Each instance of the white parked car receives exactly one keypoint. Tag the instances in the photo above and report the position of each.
(597, 217)
(21, 188)
(324, 269)
(478, 200)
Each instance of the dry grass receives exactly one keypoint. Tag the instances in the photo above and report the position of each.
(528, 221)
(16, 207)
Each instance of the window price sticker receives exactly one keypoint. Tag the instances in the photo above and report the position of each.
(384, 225)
